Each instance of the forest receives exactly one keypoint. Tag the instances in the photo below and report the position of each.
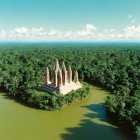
(114, 66)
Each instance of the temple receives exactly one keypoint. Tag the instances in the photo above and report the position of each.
(59, 79)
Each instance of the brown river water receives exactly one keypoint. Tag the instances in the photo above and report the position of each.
(85, 120)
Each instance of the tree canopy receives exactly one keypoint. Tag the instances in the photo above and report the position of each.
(117, 67)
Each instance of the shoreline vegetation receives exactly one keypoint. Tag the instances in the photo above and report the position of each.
(54, 101)
(116, 67)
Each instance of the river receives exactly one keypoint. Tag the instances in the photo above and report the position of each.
(85, 120)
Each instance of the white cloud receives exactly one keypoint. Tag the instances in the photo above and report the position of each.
(90, 27)
(21, 30)
(130, 16)
(3, 35)
(82, 33)
(132, 33)
(112, 30)
(54, 32)
(132, 29)
(69, 34)
(37, 32)
(109, 30)
(133, 21)
(37, 29)
(105, 30)
(88, 33)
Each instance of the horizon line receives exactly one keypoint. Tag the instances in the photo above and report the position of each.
(69, 42)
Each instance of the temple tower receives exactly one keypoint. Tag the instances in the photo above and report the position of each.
(69, 74)
(59, 79)
(76, 76)
(55, 78)
(57, 65)
(47, 76)
(56, 69)
(64, 74)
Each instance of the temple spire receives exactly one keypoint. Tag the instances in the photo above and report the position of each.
(64, 74)
(55, 71)
(56, 65)
(69, 74)
(55, 78)
(76, 76)
(59, 78)
(63, 65)
(47, 76)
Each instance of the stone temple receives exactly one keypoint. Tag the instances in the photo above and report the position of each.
(60, 79)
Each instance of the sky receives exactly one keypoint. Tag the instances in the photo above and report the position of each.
(69, 20)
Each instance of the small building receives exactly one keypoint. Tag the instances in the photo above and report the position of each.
(59, 79)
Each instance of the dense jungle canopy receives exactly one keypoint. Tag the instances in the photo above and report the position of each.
(114, 66)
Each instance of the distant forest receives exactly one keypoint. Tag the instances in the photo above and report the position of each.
(114, 66)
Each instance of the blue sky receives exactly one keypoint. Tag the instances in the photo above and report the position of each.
(69, 20)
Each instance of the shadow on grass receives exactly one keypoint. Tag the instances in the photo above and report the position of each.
(89, 129)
